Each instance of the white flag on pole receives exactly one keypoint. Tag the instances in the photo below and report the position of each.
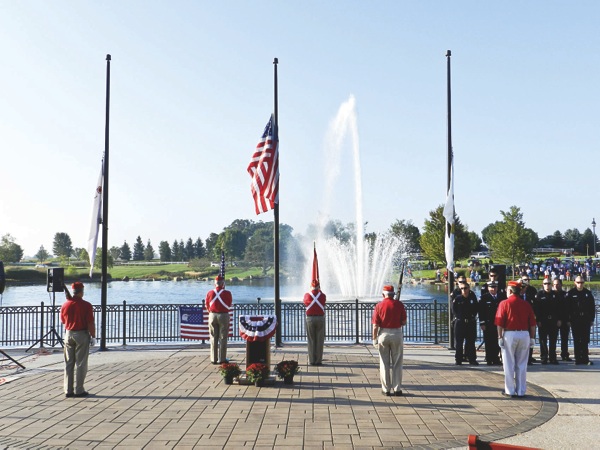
(96, 220)
(449, 216)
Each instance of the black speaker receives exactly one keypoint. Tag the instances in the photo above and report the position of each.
(2, 278)
(56, 280)
(500, 269)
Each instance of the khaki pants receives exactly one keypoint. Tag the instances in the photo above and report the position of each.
(315, 333)
(218, 325)
(77, 350)
(391, 357)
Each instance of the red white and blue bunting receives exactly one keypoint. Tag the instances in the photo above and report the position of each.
(257, 328)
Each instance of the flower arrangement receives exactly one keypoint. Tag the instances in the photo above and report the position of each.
(287, 368)
(230, 370)
(257, 372)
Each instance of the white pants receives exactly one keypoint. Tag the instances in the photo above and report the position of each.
(515, 355)
(391, 356)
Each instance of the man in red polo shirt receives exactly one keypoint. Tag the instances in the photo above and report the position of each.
(218, 304)
(78, 317)
(516, 335)
(389, 317)
(314, 302)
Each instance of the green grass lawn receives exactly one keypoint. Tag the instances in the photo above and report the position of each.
(33, 275)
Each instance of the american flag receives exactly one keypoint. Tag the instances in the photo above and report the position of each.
(193, 323)
(264, 170)
(222, 266)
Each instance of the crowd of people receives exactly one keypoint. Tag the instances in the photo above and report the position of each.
(508, 319)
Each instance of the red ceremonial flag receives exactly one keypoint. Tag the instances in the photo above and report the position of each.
(264, 170)
(315, 269)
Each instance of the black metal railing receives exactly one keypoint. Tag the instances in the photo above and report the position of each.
(346, 322)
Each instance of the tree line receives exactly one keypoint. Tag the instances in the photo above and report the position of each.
(252, 242)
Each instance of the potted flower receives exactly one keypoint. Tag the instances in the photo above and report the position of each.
(256, 373)
(287, 370)
(229, 371)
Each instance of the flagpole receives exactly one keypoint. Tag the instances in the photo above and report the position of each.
(276, 219)
(104, 279)
(450, 272)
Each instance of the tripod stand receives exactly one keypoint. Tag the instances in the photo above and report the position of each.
(52, 331)
(13, 360)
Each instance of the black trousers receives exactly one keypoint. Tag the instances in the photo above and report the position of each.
(564, 339)
(548, 334)
(490, 340)
(581, 340)
(465, 334)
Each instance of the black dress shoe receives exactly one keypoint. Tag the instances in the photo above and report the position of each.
(505, 394)
(590, 363)
(385, 393)
(458, 363)
(473, 363)
(398, 393)
(69, 394)
(566, 358)
(81, 394)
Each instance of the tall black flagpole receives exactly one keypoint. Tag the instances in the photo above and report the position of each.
(450, 272)
(276, 223)
(105, 209)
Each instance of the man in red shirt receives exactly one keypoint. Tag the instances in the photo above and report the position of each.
(388, 319)
(516, 335)
(314, 302)
(218, 303)
(78, 317)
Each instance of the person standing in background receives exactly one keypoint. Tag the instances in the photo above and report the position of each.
(389, 316)
(314, 302)
(77, 315)
(218, 303)
(516, 334)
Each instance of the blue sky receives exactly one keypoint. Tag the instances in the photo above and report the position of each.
(192, 89)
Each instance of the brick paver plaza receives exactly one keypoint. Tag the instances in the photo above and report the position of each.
(177, 399)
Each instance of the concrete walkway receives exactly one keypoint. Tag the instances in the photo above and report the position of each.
(172, 397)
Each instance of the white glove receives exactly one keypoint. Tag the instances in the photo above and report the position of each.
(375, 343)
(92, 342)
(501, 342)
(531, 342)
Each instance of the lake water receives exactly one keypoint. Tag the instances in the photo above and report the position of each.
(191, 292)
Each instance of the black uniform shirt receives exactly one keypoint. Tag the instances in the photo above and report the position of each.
(546, 307)
(465, 308)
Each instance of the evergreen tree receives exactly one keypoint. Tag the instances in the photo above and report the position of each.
(164, 250)
(149, 252)
(125, 252)
(190, 251)
(199, 250)
(138, 250)
(175, 251)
